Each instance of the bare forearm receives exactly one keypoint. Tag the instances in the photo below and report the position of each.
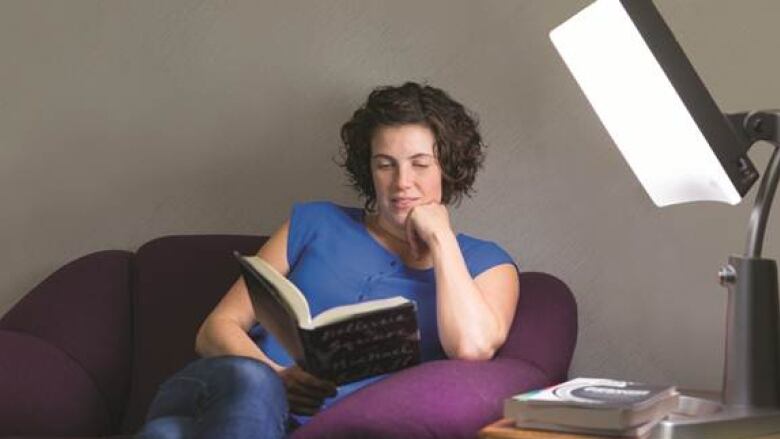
(224, 337)
(468, 327)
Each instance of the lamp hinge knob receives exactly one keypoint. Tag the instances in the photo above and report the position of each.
(727, 275)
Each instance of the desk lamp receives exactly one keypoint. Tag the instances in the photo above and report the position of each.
(682, 149)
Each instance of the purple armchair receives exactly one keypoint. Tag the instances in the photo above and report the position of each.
(82, 354)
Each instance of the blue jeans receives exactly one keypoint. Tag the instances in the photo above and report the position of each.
(219, 397)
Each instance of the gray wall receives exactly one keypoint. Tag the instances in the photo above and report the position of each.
(121, 121)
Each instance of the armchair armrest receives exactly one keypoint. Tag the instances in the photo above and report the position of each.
(80, 313)
(46, 392)
(544, 331)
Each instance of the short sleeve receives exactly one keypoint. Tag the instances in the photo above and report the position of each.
(484, 255)
(302, 230)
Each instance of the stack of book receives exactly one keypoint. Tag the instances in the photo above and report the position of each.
(593, 406)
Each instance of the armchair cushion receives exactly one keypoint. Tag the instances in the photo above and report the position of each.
(440, 399)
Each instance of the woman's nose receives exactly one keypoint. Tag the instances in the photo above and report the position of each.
(403, 177)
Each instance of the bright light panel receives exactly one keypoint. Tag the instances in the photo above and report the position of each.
(640, 108)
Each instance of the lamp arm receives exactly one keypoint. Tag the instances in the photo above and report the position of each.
(763, 202)
(753, 127)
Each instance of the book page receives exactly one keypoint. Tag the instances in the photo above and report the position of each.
(344, 312)
(290, 293)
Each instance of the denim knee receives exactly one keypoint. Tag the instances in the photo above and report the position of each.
(217, 397)
(246, 399)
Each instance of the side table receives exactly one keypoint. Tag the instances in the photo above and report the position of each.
(505, 429)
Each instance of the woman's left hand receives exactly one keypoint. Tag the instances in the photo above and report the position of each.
(423, 224)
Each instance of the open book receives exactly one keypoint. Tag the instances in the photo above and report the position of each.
(342, 344)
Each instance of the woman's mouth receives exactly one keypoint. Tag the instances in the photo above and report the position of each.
(403, 203)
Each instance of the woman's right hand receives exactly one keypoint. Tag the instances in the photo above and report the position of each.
(305, 392)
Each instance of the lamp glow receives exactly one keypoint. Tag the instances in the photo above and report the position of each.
(640, 107)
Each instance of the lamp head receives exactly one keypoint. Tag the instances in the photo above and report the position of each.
(653, 104)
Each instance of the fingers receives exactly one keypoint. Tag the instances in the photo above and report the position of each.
(305, 392)
(296, 375)
(303, 404)
(314, 382)
(318, 390)
(422, 223)
(308, 383)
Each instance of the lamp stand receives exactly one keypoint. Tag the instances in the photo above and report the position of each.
(750, 403)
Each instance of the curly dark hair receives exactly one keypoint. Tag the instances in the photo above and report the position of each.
(459, 147)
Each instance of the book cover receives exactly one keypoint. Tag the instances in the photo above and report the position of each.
(342, 344)
(370, 344)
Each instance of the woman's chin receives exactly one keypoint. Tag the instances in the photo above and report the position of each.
(400, 213)
(396, 220)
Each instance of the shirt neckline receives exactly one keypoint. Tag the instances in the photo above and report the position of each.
(395, 256)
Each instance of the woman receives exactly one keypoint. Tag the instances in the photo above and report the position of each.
(409, 151)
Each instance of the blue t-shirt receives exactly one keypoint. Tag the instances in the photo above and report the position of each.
(335, 261)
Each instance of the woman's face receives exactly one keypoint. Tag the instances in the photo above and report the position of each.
(405, 171)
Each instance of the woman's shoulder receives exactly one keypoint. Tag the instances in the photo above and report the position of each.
(469, 242)
(323, 213)
(320, 207)
(318, 222)
(481, 254)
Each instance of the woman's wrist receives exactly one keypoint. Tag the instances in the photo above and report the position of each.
(442, 242)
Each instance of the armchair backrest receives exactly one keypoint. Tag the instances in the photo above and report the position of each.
(177, 281)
